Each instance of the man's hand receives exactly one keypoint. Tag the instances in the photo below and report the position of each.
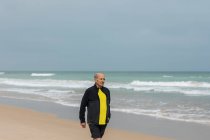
(83, 125)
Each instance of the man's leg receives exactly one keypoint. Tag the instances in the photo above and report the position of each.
(102, 129)
(95, 131)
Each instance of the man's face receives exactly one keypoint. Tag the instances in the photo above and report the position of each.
(100, 80)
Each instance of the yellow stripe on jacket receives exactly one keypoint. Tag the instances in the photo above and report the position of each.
(103, 107)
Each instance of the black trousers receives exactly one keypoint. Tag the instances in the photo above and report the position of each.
(97, 131)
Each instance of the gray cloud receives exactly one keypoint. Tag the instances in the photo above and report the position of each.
(108, 35)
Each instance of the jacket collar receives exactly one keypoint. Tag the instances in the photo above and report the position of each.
(97, 87)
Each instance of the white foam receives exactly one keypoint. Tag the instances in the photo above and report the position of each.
(192, 92)
(197, 92)
(189, 88)
(2, 73)
(171, 84)
(150, 85)
(45, 83)
(67, 103)
(167, 76)
(43, 74)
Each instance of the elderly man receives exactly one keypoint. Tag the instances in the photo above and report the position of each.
(97, 101)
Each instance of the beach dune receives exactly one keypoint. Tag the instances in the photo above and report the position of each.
(25, 124)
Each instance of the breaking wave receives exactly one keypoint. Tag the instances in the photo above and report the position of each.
(43, 74)
(190, 88)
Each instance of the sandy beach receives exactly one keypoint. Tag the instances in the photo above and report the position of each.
(20, 123)
(37, 120)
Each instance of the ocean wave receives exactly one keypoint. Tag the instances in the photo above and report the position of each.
(167, 76)
(2, 73)
(151, 85)
(190, 88)
(160, 114)
(43, 74)
(42, 100)
(68, 104)
(86, 83)
(172, 84)
(45, 83)
(196, 92)
(37, 91)
(63, 97)
(188, 92)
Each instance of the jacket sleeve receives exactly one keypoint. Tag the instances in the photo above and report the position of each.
(109, 100)
(83, 105)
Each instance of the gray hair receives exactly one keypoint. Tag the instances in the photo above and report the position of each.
(96, 75)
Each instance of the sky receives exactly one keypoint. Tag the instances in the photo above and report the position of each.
(113, 35)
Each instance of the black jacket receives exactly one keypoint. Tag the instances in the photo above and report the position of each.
(91, 101)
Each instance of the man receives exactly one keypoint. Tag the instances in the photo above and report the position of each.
(97, 101)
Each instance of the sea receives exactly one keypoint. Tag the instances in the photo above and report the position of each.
(177, 96)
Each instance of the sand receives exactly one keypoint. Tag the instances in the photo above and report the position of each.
(26, 124)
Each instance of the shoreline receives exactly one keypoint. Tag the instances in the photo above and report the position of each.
(22, 123)
(135, 124)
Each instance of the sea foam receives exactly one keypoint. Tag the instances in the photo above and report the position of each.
(42, 74)
(45, 83)
(171, 84)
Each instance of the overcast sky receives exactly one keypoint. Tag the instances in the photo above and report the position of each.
(149, 35)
